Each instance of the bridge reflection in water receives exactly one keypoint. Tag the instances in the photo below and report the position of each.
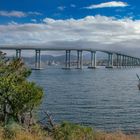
(122, 60)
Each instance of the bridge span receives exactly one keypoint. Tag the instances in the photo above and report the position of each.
(121, 59)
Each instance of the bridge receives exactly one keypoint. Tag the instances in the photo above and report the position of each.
(122, 59)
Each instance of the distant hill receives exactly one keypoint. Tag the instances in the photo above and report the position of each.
(49, 59)
(61, 58)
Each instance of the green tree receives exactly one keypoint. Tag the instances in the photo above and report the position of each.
(18, 96)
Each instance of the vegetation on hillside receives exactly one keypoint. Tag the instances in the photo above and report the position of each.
(65, 131)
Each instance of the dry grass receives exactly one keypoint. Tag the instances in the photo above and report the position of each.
(30, 136)
(115, 136)
(65, 131)
(16, 132)
(69, 131)
(99, 136)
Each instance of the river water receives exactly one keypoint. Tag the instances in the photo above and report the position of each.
(106, 99)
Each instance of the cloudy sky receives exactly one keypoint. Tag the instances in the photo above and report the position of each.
(97, 24)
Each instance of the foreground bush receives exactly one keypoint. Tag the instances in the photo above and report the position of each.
(69, 131)
(18, 96)
(14, 131)
(65, 131)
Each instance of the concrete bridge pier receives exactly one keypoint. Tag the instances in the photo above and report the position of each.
(18, 53)
(138, 62)
(117, 60)
(134, 59)
(110, 60)
(121, 61)
(133, 62)
(81, 59)
(78, 59)
(93, 60)
(125, 61)
(130, 61)
(37, 59)
(67, 60)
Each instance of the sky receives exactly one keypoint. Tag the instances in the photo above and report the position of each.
(99, 24)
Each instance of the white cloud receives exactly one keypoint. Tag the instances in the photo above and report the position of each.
(91, 32)
(34, 13)
(13, 14)
(108, 4)
(18, 14)
(13, 23)
(73, 5)
(61, 8)
(34, 20)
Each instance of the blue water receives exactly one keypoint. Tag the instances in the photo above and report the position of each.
(106, 99)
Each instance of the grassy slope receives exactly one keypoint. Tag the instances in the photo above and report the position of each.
(65, 131)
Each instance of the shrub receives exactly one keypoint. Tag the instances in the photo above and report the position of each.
(70, 131)
(18, 96)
